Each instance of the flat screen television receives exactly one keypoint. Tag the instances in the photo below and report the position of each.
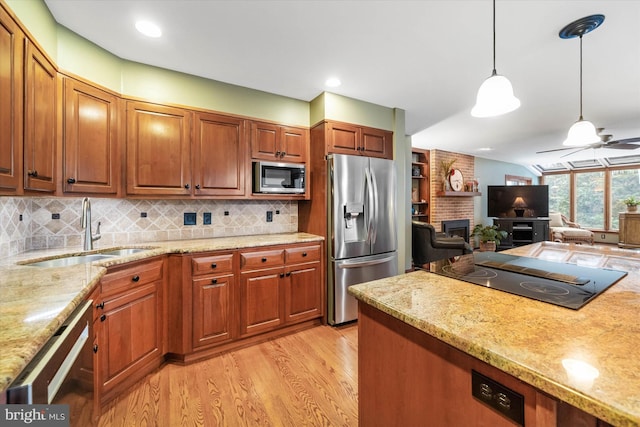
(527, 201)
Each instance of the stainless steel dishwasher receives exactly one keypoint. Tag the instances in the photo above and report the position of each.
(62, 371)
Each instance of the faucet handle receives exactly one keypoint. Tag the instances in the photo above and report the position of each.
(97, 235)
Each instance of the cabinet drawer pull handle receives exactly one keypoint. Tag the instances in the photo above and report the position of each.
(32, 173)
(135, 278)
(101, 305)
(264, 259)
(71, 181)
(103, 317)
(214, 281)
(214, 265)
(304, 254)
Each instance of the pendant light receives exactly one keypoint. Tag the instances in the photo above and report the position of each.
(582, 132)
(495, 96)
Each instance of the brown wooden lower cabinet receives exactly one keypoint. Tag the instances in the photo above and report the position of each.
(128, 325)
(409, 378)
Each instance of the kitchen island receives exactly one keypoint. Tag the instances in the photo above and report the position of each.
(421, 336)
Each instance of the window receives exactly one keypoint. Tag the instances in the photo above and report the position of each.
(590, 199)
(517, 180)
(624, 183)
(559, 193)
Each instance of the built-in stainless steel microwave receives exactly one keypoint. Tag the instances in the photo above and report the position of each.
(278, 178)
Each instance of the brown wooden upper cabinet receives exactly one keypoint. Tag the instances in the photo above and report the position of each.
(11, 98)
(279, 143)
(219, 160)
(39, 121)
(90, 143)
(345, 138)
(158, 150)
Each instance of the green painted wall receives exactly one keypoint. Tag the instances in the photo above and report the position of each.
(35, 15)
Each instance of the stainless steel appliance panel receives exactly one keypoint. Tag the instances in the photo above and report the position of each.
(344, 273)
(383, 177)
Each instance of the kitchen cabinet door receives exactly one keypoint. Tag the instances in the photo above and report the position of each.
(219, 161)
(212, 310)
(158, 150)
(11, 117)
(377, 143)
(261, 302)
(303, 292)
(343, 138)
(279, 143)
(91, 162)
(40, 122)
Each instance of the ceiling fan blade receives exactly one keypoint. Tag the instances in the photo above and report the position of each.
(577, 151)
(555, 149)
(624, 141)
(622, 146)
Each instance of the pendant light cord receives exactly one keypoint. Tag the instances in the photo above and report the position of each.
(494, 39)
(580, 78)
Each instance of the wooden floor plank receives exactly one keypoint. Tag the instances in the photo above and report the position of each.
(305, 379)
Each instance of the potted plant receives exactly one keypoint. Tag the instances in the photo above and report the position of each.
(489, 236)
(632, 203)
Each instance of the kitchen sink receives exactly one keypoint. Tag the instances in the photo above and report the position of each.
(124, 251)
(75, 259)
(70, 260)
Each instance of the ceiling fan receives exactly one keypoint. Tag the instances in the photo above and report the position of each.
(606, 142)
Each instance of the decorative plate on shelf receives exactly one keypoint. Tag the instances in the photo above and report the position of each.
(456, 180)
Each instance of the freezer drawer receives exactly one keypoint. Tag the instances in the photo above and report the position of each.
(344, 273)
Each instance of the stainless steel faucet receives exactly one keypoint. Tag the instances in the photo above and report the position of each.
(85, 223)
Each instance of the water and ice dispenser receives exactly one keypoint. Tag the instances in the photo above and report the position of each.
(354, 225)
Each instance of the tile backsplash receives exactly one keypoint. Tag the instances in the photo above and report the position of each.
(28, 222)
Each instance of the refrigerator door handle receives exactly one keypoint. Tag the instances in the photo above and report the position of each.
(370, 206)
(374, 195)
(360, 264)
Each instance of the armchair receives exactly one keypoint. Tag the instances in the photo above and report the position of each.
(564, 231)
(428, 246)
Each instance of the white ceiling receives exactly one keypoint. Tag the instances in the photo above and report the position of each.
(426, 57)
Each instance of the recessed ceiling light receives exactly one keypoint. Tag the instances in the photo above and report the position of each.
(333, 82)
(485, 149)
(149, 29)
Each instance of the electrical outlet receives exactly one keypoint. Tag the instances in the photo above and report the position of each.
(206, 218)
(226, 213)
(143, 214)
(55, 216)
(190, 218)
(269, 216)
(20, 217)
(277, 212)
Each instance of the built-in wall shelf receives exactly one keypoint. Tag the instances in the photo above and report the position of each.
(458, 194)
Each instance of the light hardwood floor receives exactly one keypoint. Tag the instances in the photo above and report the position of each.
(306, 379)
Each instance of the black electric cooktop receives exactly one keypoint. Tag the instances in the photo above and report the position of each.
(566, 285)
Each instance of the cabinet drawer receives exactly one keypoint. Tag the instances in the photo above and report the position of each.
(133, 275)
(221, 263)
(303, 254)
(261, 259)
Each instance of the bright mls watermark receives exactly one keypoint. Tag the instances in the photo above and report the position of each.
(34, 415)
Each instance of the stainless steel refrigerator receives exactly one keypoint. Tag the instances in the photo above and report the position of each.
(362, 240)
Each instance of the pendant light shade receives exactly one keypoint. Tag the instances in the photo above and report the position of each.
(582, 132)
(495, 96)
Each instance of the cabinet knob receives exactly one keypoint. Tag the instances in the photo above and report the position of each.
(214, 265)
(197, 186)
(187, 186)
(101, 305)
(264, 259)
(277, 154)
(33, 173)
(135, 278)
(281, 274)
(103, 317)
(288, 273)
(71, 181)
(95, 348)
(214, 281)
(304, 254)
(284, 153)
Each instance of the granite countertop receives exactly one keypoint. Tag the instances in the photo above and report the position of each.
(587, 357)
(35, 301)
